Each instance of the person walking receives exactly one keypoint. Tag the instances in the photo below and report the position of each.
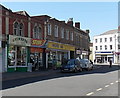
(110, 63)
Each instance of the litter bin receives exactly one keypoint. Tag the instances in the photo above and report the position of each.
(29, 67)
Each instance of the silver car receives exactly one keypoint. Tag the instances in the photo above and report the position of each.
(86, 64)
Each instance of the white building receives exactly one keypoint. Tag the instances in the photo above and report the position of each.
(106, 46)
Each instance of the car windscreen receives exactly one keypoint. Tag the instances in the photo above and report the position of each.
(71, 62)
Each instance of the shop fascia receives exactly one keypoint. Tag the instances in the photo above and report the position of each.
(60, 46)
(18, 52)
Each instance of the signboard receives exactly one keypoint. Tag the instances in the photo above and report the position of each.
(18, 40)
(78, 51)
(37, 42)
(39, 50)
(55, 45)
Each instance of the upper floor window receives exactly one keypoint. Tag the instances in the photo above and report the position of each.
(67, 34)
(71, 36)
(110, 47)
(105, 47)
(16, 28)
(118, 46)
(37, 34)
(100, 39)
(105, 39)
(62, 32)
(95, 40)
(21, 30)
(96, 48)
(56, 31)
(49, 29)
(110, 39)
(100, 47)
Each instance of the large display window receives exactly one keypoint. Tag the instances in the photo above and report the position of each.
(17, 56)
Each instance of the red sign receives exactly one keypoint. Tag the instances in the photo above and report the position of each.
(39, 50)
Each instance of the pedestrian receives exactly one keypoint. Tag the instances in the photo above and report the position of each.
(110, 63)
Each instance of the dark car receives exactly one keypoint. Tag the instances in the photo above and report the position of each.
(73, 65)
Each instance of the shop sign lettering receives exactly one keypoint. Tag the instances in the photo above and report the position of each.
(37, 42)
(17, 40)
(54, 45)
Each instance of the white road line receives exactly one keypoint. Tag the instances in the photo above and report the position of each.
(99, 89)
(111, 83)
(90, 93)
(116, 81)
(107, 85)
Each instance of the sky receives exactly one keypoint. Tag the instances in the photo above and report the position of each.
(98, 17)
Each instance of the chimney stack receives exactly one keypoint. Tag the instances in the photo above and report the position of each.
(77, 25)
(70, 22)
(87, 31)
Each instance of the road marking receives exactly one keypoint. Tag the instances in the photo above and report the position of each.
(99, 89)
(116, 81)
(90, 93)
(111, 83)
(107, 85)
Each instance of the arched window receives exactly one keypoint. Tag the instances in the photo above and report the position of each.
(39, 33)
(21, 33)
(35, 32)
(16, 27)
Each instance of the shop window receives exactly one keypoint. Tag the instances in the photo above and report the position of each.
(11, 56)
(118, 46)
(17, 56)
(37, 33)
(21, 56)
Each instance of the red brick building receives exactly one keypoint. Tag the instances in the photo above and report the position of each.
(41, 38)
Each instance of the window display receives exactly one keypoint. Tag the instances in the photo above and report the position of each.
(17, 56)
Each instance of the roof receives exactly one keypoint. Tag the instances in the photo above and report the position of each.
(22, 13)
(110, 32)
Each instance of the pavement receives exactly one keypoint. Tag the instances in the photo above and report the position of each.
(17, 75)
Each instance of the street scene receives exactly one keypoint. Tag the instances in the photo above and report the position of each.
(63, 50)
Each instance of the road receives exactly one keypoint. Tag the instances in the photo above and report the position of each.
(102, 81)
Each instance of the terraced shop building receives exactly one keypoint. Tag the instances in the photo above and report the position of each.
(40, 37)
(64, 40)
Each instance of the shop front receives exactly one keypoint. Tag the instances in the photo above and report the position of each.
(37, 54)
(18, 53)
(59, 53)
(104, 57)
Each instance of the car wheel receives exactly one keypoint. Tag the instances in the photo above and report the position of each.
(80, 69)
(75, 70)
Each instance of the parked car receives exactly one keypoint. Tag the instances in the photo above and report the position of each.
(86, 64)
(73, 65)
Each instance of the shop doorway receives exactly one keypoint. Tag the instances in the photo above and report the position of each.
(37, 61)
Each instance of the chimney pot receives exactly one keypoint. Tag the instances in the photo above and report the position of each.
(77, 25)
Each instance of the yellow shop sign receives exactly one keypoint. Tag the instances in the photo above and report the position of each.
(55, 45)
